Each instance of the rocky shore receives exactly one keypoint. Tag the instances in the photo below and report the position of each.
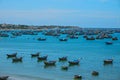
(32, 27)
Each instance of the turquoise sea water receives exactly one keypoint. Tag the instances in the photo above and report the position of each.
(92, 54)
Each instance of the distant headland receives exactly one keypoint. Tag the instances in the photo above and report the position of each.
(32, 27)
(5, 26)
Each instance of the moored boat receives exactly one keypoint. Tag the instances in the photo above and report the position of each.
(64, 67)
(63, 39)
(78, 77)
(16, 59)
(4, 77)
(114, 38)
(95, 73)
(35, 55)
(41, 39)
(90, 38)
(49, 63)
(63, 58)
(42, 58)
(75, 62)
(108, 61)
(73, 36)
(108, 43)
(11, 55)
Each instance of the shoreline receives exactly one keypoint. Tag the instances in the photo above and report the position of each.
(22, 77)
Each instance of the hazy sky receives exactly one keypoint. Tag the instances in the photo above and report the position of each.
(83, 13)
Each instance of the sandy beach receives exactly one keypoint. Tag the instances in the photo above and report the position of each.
(22, 77)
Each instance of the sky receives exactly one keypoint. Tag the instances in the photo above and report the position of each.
(83, 13)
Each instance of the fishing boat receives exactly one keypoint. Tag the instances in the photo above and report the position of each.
(73, 36)
(41, 39)
(49, 63)
(17, 59)
(42, 58)
(90, 38)
(4, 77)
(63, 58)
(74, 62)
(108, 43)
(35, 55)
(63, 39)
(95, 73)
(108, 61)
(77, 77)
(64, 67)
(114, 38)
(11, 55)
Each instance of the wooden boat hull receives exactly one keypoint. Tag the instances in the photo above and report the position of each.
(77, 77)
(11, 55)
(115, 38)
(73, 62)
(42, 58)
(109, 61)
(63, 39)
(64, 67)
(49, 63)
(17, 59)
(4, 77)
(108, 43)
(41, 39)
(95, 73)
(35, 55)
(63, 59)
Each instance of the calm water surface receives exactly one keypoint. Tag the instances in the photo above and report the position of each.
(92, 54)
